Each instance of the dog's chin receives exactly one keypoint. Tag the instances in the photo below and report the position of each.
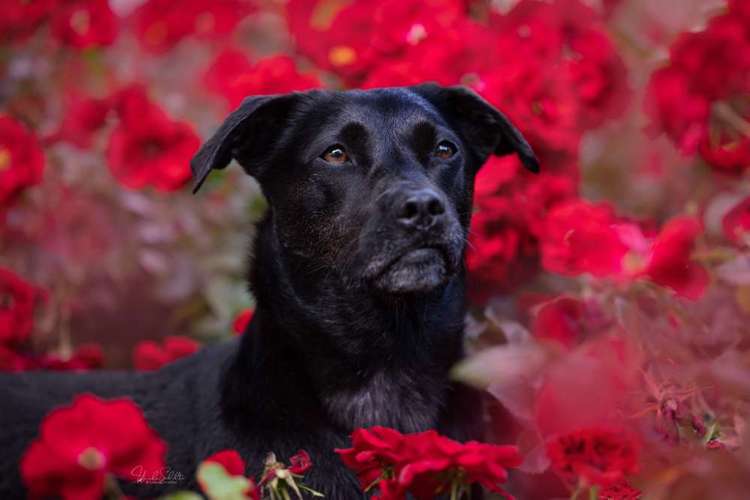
(418, 271)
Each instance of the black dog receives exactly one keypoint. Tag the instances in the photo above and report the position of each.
(359, 282)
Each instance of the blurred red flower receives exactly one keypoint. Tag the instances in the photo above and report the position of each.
(242, 320)
(20, 18)
(80, 444)
(596, 456)
(669, 258)
(511, 207)
(236, 78)
(230, 460)
(17, 301)
(582, 237)
(619, 491)
(21, 159)
(561, 320)
(161, 24)
(696, 98)
(149, 355)
(84, 23)
(86, 357)
(83, 115)
(11, 361)
(424, 464)
(147, 148)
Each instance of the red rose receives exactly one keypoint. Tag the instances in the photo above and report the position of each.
(21, 159)
(147, 148)
(300, 462)
(79, 445)
(20, 18)
(84, 23)
(272, 75)
(424, 464)
(242, 320)
(17, 301)
(230, 460)
(669, 259)
(597, 456)
(581, 237)
(560, 320)
(161, 24)
(149, 355)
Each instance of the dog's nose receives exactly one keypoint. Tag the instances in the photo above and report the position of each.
(421, 209)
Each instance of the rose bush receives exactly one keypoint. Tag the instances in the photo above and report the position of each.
(609, 294)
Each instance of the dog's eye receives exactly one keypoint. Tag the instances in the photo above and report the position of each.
(445, 150)
(335, 155)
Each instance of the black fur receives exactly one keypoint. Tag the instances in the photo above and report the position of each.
(359, 283)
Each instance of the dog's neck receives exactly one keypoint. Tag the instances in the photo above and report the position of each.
(336, 351)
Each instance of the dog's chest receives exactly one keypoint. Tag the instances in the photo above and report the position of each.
(407, 401)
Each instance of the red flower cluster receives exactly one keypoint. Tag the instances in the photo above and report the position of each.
(424, 464)
(21, 160)
(697, 98)
(736, 222)
(511, 206)
(20, 18)
(79, 445)
(594, 456)
(581, 237)
(84, 23)
(149, 355)
(234, 77)
(147, 148)
(17, 301)
(162, 24)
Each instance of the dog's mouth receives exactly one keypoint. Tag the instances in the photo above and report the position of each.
(417, 270)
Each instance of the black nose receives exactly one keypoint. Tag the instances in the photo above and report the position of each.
(421, 209)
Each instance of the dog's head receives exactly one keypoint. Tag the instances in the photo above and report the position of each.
(375, 184)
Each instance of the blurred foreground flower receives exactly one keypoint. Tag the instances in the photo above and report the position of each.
(80, 445)
(149, 355)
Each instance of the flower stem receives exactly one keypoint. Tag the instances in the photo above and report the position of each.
(594, 493)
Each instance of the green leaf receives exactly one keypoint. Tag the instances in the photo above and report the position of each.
(217, 484)
(182, 495)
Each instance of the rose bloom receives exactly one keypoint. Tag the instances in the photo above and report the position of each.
(21, 159)
(236, 78)
(162, 24)
(147, 148)
(84, 23)
(17, 301)
(425, 463)
(596, 456)
(20, 18)
(148, 355)
(80, 444)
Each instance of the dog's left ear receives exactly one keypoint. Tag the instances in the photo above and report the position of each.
(484, 129)
(247, 135)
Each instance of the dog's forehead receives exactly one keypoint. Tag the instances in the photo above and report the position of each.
(378, 107)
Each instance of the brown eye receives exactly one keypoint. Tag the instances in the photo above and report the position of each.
(335, 155)
(445, 150)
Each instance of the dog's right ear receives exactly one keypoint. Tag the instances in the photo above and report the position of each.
(247, 135)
